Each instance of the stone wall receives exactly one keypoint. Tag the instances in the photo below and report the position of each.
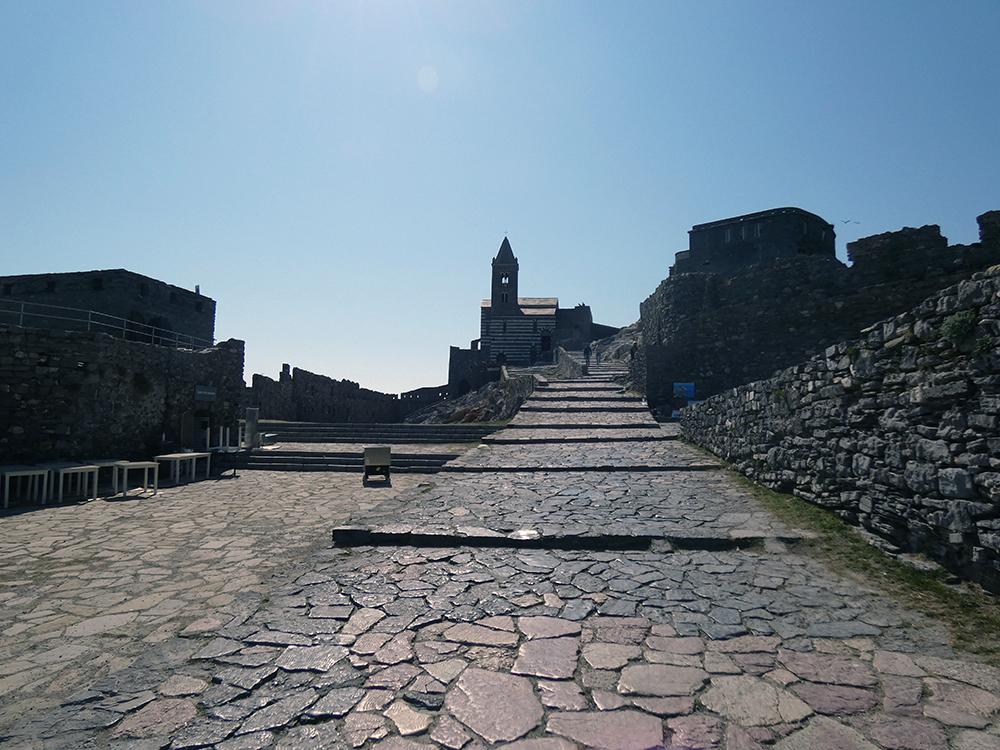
(75, 395)
(721, 331)
(896, 431)
(302, 396)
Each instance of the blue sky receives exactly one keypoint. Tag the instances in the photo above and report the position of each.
(338, 175)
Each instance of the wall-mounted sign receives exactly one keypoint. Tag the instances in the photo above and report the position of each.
(204, 393)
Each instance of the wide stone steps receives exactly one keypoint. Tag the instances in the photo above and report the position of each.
(277, 460)
(315, 432)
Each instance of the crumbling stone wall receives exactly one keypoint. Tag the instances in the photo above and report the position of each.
(897, 431)
(68, 395)
(302, 396)
(719, 331)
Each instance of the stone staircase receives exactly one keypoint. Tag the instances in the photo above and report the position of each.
(357, 436)
(317, 432)
(279, 460)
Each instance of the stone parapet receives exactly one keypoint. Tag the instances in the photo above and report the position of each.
(895, 431)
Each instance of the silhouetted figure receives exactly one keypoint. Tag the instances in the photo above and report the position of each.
(586, 355)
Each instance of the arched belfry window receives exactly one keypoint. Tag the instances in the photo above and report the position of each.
(505, 278)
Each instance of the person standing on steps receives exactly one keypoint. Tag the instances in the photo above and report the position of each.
(597, 355)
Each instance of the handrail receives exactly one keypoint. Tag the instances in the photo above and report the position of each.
(74, 319)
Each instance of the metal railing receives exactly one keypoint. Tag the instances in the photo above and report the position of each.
(36, 315)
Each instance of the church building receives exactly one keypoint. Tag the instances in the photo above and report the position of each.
(518, 331)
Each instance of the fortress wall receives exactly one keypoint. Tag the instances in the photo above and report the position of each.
(720, 331)
(68, 395)
(302, 396)
(897, 431)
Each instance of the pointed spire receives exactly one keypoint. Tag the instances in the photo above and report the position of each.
(506, 255)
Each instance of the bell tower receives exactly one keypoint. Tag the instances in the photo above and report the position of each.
(503, 298)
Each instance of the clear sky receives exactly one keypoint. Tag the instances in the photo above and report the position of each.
(338, 175)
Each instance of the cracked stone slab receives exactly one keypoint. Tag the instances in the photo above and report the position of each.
(498, 707)
(753, 702)
(609, 730)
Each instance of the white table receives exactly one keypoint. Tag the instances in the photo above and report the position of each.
(189, 460)
(126, 466)
(83, 473)
(37, 476)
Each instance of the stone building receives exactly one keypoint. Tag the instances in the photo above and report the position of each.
(721, 330)
(515, 330)
(116, 301)
(728, 245)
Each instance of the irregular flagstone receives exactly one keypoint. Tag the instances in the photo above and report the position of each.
(408, 721)
(563, 695)
(676, 645)
(338, 702)
(895, 663)
(665, 706)
(542, 743)
(449, 733)
(359, 727)
(957, 704)
(554, 658)
(976, 741)
(980, 675)
(279, 714)
(753, 702)
(609, 730)
(829, 669)
(156, 718)
(547, 627)
(908, 734)
(610, 655)
(446, 671)
(394, 677)
(311, 658)
(825, 734)
(181, 685)
(901, 695)
(835, 699)
(695, 731)
(100, 624)
(477, 634)
(497, 707)
(661, 680)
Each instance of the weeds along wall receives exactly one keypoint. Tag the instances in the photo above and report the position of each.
(68, 395)
(896, 431)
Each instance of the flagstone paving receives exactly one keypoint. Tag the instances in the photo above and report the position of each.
(403, 647)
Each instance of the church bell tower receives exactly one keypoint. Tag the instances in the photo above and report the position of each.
(504, 290)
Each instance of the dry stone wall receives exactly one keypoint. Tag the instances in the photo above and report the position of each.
(68, 395)
(897, 431)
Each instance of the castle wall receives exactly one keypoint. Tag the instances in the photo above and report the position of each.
(719, 331)
(119, 293)
(302, 396)
(897, 431)
(68, 395)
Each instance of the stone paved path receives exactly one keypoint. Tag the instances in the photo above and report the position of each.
(512, 631)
